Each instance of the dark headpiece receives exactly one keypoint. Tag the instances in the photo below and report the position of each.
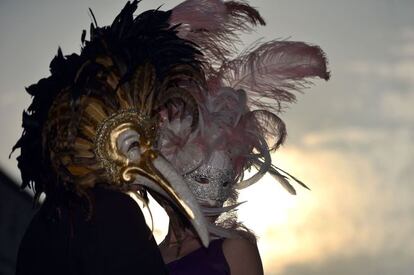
(95, 119)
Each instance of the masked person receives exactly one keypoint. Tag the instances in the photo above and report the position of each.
(238, 128)
(89, 138)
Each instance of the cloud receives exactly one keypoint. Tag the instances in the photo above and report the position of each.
(397, 63)
(387, 149)
(359, 210)
(382, 263)
(390, 81)
(406, 47)
(399, 70)
(399, 105)
(349, 135)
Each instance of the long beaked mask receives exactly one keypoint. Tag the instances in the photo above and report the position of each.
(95, 119)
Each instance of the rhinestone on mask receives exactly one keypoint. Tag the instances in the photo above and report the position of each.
(216, 189)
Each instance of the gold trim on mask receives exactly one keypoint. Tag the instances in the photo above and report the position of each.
(118, 166)
(107, 151)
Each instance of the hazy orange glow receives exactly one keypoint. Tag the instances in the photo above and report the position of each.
(314, 224)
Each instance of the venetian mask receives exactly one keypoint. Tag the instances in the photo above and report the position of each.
(212, 181)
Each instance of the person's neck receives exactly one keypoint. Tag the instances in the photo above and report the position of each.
(178, 235)
(178, 243)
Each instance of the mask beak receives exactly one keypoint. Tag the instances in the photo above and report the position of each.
(155, 172)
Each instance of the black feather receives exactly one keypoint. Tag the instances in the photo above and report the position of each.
(129, 41)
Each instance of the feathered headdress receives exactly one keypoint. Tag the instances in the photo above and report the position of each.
(239, 113)
(96, 119)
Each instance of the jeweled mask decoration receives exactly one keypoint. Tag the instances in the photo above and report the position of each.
(96, 154)
(213, 180)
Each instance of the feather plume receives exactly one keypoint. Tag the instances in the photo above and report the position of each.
(262, 169)
(286, 174)
(283, 181)
(271, 72)
(214, 25)
(281, 176)
(271, 127)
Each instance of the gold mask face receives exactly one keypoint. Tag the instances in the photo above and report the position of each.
(124, 146)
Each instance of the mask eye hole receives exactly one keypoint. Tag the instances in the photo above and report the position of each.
(202, 180)
(133, 145)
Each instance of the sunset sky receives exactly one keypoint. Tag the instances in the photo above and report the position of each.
(350, 139)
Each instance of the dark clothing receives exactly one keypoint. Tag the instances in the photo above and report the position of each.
(203, 261)
(115, 240)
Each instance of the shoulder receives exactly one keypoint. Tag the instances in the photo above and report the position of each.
(117, 211)
(240, 248)
(113, 199)
(123, 235)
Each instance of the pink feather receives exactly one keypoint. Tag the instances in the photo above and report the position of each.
(214, 25)
(200, 14)
(274, 70)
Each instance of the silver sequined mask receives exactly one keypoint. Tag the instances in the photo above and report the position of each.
(212, 181)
